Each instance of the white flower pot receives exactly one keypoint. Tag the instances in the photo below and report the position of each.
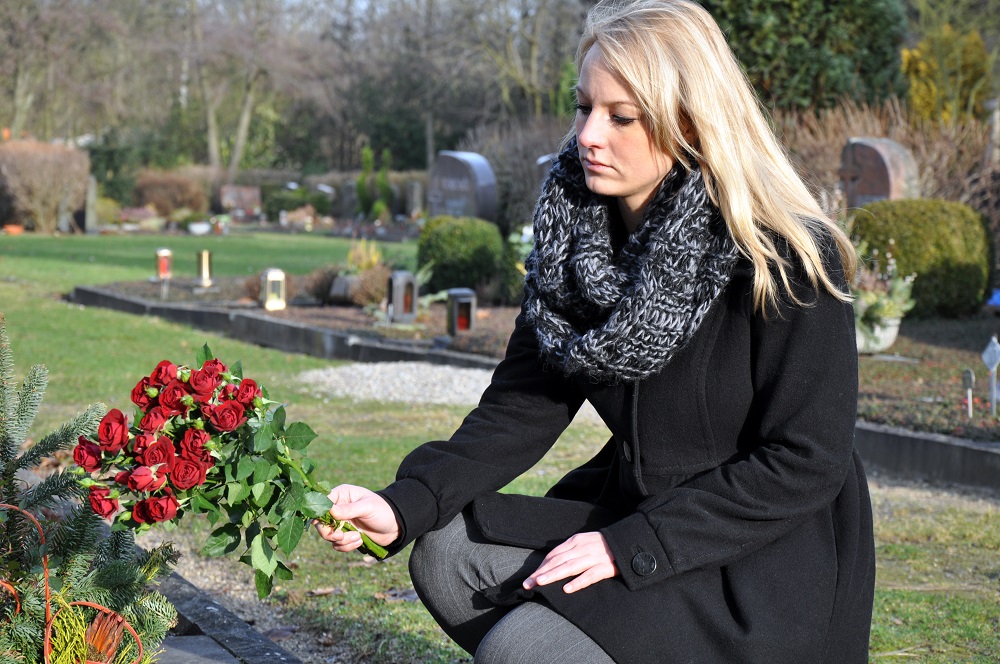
(882, 336)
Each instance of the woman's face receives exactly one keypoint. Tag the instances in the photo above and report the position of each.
(618, 155)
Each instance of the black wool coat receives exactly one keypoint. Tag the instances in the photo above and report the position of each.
(730, 494)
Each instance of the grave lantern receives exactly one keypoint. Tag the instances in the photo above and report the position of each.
(272, 289)
(205, 268)
(164, 264)
(461, 310)
(401, 303)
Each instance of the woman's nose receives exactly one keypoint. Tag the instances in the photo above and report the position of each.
(588, 131)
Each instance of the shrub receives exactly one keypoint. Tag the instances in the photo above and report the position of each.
(168, 192)
(276, 200)
(44, 180)
(108, 210)
(317, 283)
(372, 285)
(466, 252)
(943, 242)
(949, 74)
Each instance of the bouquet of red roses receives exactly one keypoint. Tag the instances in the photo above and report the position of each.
(210, 441)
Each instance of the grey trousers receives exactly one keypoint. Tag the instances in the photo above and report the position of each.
(449, 568)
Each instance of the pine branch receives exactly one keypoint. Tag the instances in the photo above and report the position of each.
(65, 437)
(28, 399)
(8, 394)
(120, 545)
(81, 531)
(60, 485)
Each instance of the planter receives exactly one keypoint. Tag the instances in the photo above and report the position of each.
(880, 338)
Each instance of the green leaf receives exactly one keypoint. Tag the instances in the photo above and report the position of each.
(236, 492)
(283, 572)
(308, 465)
(298, 435)
(315, 504)
(293, 499)
(203, 356)
(237, 369)
(244, 469)
(290, 532)
(261, 469)
(223, 540)
(200, 504)
(262, 493)
(278, 419)
(264, 584)
(263, 440)
(262, 555)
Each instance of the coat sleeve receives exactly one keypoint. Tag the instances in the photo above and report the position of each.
(804, 372)
(520, 415)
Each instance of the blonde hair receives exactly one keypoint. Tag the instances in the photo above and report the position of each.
(675, 59)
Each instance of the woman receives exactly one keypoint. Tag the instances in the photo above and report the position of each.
(685, 283)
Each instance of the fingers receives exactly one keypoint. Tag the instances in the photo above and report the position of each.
(585, 556)
(340, 539)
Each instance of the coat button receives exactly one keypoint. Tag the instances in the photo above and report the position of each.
(643, 563)
(627, 450)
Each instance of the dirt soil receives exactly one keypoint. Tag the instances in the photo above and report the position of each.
(488, 337)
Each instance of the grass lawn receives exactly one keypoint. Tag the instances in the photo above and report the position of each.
(939, 552)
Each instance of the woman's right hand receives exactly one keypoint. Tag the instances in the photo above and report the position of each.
(366, 511)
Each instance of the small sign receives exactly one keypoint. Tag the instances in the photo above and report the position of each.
(991, 356)
(968, 379)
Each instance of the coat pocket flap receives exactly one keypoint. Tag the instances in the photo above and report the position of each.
(536, 522)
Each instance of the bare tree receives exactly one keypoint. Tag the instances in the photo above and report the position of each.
(44, 180)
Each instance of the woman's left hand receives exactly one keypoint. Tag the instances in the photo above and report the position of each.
(584, 555)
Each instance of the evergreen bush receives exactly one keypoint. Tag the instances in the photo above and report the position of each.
(168, 192)
(943, 242)
(466, 252)
(275, 200)
(85, 562)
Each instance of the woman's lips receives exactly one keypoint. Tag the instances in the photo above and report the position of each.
(594, 165)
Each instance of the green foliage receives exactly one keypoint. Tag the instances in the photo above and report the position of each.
(276, 199)
(362, 186)
(114, 162)
(466, 252)
(803, 53)
(84, 563)
(382, 185)
(943, 242)
(949, 74)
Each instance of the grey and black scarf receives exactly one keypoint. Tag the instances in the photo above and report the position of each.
(622, 315)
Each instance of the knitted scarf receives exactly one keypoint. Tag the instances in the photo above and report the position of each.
(614, 316)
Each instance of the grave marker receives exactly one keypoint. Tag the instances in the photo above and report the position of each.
(875, 169)
(991, 358)
(462, 184)
(968, 382)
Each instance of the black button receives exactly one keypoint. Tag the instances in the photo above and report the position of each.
(643, 563)
(627, 450)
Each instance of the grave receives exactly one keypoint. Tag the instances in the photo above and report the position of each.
(241, 202)
(875, 169)
(462, 184)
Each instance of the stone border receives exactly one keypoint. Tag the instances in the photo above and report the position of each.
(909, 455)
(198, 614)
(290, 336)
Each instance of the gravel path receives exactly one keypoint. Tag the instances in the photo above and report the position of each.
(410, 382)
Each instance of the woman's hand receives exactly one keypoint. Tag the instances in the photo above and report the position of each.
(365, 510)
(584, 555)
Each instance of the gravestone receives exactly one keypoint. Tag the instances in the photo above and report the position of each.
(240, 201)
(875, 169)
(462, 184)
(90, 220)
(414, 198)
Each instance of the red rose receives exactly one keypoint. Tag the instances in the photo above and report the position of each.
(228, 416)
(161, 453)
(202, 384)
(154, 420)
(113, 431)
(141, 396)
(172, 398)
(87, 455)
(122, 477)
(228, 392)
(155, 510)
(214, 367)
(193, 446)
(144, 479)
(187, 474)
(142, 441)
(102, 505)
(247, 392)
(164, 372)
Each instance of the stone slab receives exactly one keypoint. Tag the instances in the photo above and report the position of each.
(194, 650)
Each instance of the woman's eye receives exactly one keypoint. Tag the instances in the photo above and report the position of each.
(582, 109)
(622, 121)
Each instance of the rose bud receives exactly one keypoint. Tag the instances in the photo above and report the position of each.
(102, 504)
(202, 385)
(164, 372)
(112, 432)
(141, 441)
(144, 394)
(154, 420)
(228, 392)
(214, 367)
(228, 416)
(87, 455)
(161, 453)
(187, 474)
(122, 477)
(144, 478)
(172, 398)
(155, 510)
(247, 392)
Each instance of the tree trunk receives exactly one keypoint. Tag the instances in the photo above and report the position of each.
(24, 97)
(211, 121)
(243, 127)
